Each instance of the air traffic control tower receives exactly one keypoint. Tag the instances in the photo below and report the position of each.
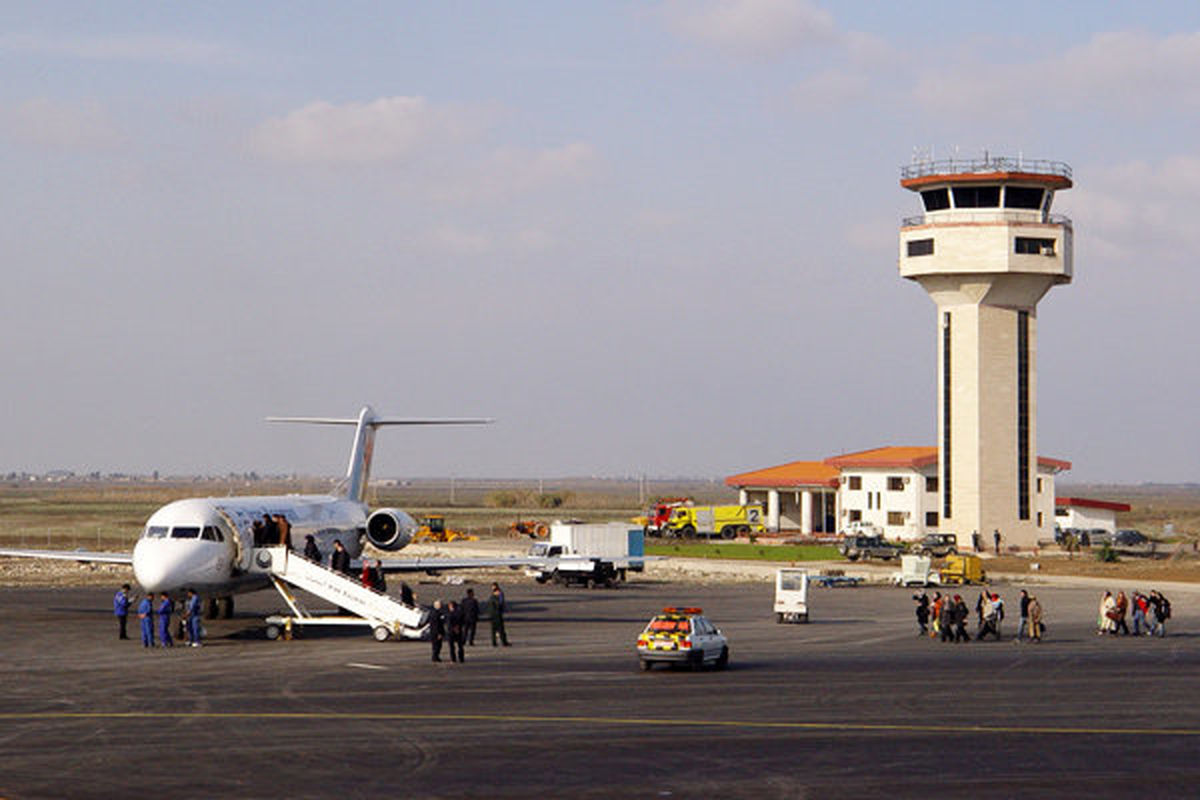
(987, 249)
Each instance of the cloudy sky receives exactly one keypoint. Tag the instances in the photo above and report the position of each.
(648, 237)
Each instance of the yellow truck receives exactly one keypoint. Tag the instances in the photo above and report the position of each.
(728, 522)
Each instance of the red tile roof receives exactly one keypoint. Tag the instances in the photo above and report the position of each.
(795, 473)
(1084, 502)
(911, 457)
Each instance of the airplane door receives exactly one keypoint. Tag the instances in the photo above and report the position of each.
(240, 523)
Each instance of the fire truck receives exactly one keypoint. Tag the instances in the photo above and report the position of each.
(728, 522)
(659, 514)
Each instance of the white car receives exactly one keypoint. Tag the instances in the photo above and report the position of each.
(682, 636)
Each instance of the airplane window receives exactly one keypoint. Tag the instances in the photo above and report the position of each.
(212, 534)
(156, 532)
(185, 533)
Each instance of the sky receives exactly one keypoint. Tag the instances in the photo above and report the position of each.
(651, 238)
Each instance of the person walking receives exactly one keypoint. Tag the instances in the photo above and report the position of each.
(996, 538)
(121, 609)
(406, 594)
(367, 577)
(1023, 606)
(1161, 607)
(497, 616)
(192, 614)
(1105, 616)
(470, 607)
(1035, 619)
(339, 559)
(946, 619)
(454, 631)
(311, 551)
(165, 609)
(922, 601)
(145, 613)
(378, 578)
(437, 629)
(1121, 607)
(961, 614)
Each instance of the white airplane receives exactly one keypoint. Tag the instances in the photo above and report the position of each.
(207, 544)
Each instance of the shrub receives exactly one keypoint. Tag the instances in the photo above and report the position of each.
(1107, 554)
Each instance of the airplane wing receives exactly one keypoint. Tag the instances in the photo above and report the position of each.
(86, 556)
(438, 564)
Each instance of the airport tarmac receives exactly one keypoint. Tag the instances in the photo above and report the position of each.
(852, 704)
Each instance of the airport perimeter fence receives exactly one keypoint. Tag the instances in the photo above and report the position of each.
(101, 538)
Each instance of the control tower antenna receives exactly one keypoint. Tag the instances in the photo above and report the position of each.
(987, 249)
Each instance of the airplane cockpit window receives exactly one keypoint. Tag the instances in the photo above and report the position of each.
(156, 532)
(212, 534)
(179, 532)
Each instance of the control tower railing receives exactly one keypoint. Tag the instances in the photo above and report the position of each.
(983, 166)
(979, 215)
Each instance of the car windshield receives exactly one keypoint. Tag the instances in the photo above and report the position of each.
(661, 625)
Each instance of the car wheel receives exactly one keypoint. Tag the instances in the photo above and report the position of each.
(696, 659)
(852, 555)
(778, 617)
(644, 665)
(723, 659)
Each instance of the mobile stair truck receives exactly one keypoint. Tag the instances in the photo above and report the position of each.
(589, 554)
(384, 615)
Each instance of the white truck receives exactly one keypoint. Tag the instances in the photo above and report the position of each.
(589, 554)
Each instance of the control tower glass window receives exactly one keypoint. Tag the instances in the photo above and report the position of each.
(1023, 197)
(936, 199)
(976, 196)
(920, 247)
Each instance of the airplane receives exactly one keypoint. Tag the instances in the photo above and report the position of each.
(207, 544)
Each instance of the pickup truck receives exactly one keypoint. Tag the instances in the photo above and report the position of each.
(856, 546)
(936, 544)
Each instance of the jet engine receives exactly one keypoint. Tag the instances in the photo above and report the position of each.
(390, 529)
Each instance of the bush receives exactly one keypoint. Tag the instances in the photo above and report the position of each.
(503, 499)
(1107, 554)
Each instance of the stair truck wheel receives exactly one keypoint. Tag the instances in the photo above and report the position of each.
(381, 633)
(273, 632)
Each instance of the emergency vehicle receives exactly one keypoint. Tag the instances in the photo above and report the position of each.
(726, 521)
(682, 636)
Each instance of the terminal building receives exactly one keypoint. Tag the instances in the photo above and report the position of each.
(896, 489)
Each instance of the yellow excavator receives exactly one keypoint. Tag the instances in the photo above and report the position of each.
(433, 529)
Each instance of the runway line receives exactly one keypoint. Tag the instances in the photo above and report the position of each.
(557, 720)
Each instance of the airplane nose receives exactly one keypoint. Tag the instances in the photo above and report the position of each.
(163, 565)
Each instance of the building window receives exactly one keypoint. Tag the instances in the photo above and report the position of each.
(855, 482)
(946, 394)
(1039, 518)
(920, 247)
(931, 483)
(855, 515)
(895, 518)
(931, 519)
(976, 196)
(1030, 246)
(1023, 197)
(1039, 485)
(936, 199)
(895, 483)
(1023, 432)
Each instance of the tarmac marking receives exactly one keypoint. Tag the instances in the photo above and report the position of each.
(360, 665)
(557, 720)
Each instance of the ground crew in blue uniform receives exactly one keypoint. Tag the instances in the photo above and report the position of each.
(146, 615)
(121, 609)
(165, 609)
(191, 613)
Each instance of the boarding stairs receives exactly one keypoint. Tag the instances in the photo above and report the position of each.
(361, 605)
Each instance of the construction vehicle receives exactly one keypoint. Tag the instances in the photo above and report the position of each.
(728, 522)
(432, 528)
(659, 514)
(963, 569)
(533, 528)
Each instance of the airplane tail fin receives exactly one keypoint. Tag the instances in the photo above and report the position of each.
(358, 473)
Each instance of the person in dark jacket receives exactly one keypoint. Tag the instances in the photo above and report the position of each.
(378, 579)
(437, 629)
(121, 609)
(946, 619)
(311, 551)
(406, 594)
(1024, 609)
(961, 614)
(454, 631)
(470, 607)
(270, 532)
(339, 559)
(496, 612)
(922, 601)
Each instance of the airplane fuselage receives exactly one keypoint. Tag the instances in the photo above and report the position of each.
(207, 544)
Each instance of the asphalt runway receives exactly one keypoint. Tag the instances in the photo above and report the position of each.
(852, 704)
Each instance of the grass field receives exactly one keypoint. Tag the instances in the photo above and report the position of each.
(748, 552)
